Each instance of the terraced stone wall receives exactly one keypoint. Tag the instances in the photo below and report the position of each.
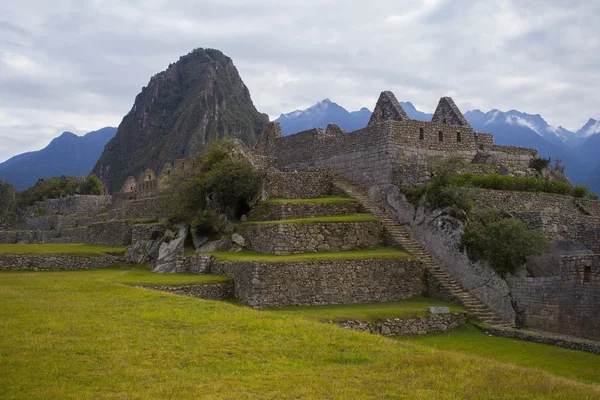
(525, 201)
(112, 233)
(81, 205)
(566, 304)
(312, 237)
(276, 284)
(278, 211)
(578, 228)
(51, 262)
(408, 326)
(304, 184)
(136, 209)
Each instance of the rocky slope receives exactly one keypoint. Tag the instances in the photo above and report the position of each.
(67, 154)
(198, 99)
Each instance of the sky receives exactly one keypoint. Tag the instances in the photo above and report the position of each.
(77, 65)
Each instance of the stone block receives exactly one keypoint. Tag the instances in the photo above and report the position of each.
(438, 310)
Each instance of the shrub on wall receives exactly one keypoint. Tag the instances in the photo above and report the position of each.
(221, 179)
(520, 184)
(539, 164)
(206, 223)
(503, 242)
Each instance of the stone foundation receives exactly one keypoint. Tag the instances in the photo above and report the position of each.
(54, 262)
(112, 233)
(408, 326)
(276, 284)
(305, 184)
(312, 237)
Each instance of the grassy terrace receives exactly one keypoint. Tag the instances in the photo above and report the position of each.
(85, 335)
(411, 308)
(319, 200)
(314, 220)
(376, 252)
(75, 249)
(469, 340)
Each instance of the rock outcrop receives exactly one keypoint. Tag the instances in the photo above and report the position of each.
(198, 99)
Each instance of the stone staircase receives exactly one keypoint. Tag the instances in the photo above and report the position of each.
(403, 238)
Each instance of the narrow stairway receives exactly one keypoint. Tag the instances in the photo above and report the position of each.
(403, 238)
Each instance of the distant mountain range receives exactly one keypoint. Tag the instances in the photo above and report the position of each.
(67, 154)
(577, 150)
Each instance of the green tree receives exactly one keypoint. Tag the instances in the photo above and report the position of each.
(92, 186)
(503, 242)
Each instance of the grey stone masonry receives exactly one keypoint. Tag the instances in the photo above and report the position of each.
(438, 310)
(198, 264)
(387, 108)
(407, 326)
(312, 237)
(306, 184)
(448, 113)
(278, 284)
(565, 304)
(54, 262)
(111, 233)
(81, 205)
(149, 231)
(212, 291)
(137, 209)
(524, 201)
(278, 211)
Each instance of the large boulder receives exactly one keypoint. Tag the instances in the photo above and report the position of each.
(170, 252)
(216, 245)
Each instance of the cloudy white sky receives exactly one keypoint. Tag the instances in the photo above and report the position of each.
(78, 64)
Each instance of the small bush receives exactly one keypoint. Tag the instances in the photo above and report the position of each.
(580, 191)
(593, 196)
(505, 243)
(92, 186)
(205, 223)
(414, 194)
(539, 164)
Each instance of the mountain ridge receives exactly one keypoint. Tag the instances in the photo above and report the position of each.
(66, 154)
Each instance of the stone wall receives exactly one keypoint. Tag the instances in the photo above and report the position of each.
(408, 326)
(440, 235)
(544, 338)
(137, 209)
(566, 304)
(75, 235)
(150, 231)
(278, 211)
(112, 233)
(305, 184)
(260, 284)
(578, 228)
(81, 205)
(213, 291)
(368, 156)
(54, 262)
(524, 201)
(198, 264)
(304, 238)
(18, 236)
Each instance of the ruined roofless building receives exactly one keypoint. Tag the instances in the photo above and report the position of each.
(390, 142)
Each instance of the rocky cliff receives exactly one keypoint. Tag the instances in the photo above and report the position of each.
(198, 99)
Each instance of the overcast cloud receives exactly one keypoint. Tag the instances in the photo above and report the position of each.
(77, 65)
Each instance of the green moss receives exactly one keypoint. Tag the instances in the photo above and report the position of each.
(373, 253)
(325, 219)
(75, 249)
(411, 308)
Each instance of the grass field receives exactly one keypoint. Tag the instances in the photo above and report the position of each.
(411, 308)
(376, 252)
(470, 340)
(319, 200)
(314, 220)
(77, 249)
(85, 335)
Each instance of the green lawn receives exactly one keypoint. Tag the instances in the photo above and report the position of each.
(411, 308)
(470, 340)
(142, 275)
(376, 252)
(319, 200)
(77, 249)
(314, 220)
(84, 335)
